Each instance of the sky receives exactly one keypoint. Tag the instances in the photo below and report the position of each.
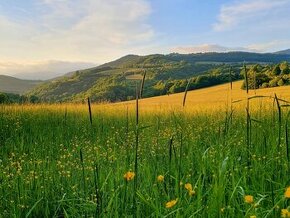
(42, 38)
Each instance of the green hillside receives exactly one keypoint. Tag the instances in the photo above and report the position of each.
(10, 84)
(116, 80)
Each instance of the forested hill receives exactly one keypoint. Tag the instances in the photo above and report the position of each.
(116, 80)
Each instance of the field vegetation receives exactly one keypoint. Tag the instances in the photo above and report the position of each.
(221, 155)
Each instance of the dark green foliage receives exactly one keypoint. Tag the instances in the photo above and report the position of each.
(10, 98)
(3, 98)
(267, 76)
(210, 78)
(276, 70)
(284, 66)
(236, 57)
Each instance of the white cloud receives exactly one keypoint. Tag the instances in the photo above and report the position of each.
(250, 11)
(209, 48)
(86, 30)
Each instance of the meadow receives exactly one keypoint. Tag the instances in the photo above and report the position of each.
(225, 154)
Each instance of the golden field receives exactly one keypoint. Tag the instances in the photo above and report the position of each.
(212, 98)
(202, 100)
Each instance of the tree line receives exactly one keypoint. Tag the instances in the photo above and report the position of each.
(267, 76)
(10, 98)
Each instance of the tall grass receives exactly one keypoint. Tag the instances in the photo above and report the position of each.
(52, 165)
(90, 111)
(185, 92)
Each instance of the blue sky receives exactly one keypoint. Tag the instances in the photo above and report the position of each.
(96, 31)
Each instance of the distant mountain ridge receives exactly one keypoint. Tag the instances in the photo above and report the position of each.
(10, 84)
(283, 52)
(225, 57)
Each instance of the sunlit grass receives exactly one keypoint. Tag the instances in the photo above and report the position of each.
(192, 162)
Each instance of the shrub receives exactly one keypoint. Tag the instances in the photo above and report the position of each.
(265, 85)
(273, 82)
(280, 82)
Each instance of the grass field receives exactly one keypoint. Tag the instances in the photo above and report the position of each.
(208, 159)
(212, 97)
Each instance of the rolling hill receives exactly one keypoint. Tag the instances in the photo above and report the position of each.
(116, 80)
(283, 52)
(10, 84)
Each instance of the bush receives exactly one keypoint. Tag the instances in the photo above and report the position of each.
(265, 85)
(3, 98)
(273, 82)
(280, 82)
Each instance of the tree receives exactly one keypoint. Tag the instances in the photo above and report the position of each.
(33, 99)
(178, 86)
(273, 82)
(276, 70)
(280, 82)
(256, 80)
(3, 98)
(284, 66)
(265, 85)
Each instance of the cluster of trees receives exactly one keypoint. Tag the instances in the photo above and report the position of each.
(213, 77)
(117, 88)
(267, 76)
(9, 98)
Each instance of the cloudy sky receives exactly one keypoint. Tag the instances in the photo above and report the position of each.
(60, 35)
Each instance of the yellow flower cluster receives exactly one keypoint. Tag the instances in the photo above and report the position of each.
(129, 176)
(287, 192)
(249, 199)
(160, 178)
(285, 213)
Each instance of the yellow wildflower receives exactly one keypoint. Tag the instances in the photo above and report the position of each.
(253, 216)
(129, 175)
(249, 199)
(287, 192)
(171, 203)
(285, 213)
(160, 178)
(188, 186)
